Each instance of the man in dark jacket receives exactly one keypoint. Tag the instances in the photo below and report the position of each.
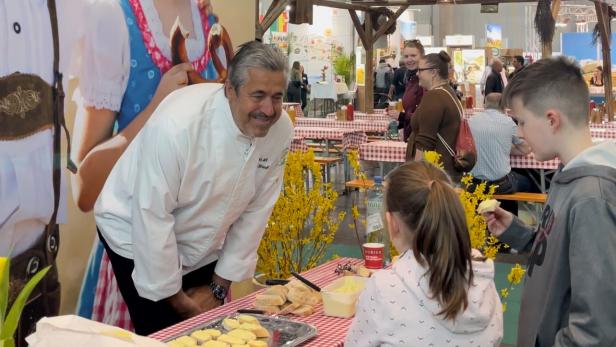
(494, 82)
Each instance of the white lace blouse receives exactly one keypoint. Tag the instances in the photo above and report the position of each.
(106, 57)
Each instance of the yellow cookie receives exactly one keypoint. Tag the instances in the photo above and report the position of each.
(174, 343)
(243, 334)
(261, 332)
(230, 339)
(240, 346)
(257, 343)
(214, 333)
(244, 318)
(230, 324)
(201, 336)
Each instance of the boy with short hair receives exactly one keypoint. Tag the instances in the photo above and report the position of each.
(568, 298)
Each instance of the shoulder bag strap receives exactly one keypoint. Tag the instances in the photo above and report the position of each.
(460, 112)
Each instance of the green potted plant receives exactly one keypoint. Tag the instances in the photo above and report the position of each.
(344, 66)
(9, 323)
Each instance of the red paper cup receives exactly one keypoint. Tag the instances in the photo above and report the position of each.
(373, 255)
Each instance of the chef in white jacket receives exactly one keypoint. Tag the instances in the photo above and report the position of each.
(183, 210)
(37, 40)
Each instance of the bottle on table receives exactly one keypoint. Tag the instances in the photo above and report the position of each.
(375, 226)
(292, 114)
(349, 112)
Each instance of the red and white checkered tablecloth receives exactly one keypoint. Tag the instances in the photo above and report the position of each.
(395, 151)
(609, 125)
(603, 133)
(389, 151)
(365, 117)
(331, 330)
(393, 114)
(380, 111)
(296, 105)
(363, 125)
(298, 144)
(350, 138)
(529, 162)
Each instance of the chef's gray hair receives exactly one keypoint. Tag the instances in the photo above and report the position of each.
(256, 55)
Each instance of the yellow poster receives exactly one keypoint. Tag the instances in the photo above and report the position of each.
(361, 75)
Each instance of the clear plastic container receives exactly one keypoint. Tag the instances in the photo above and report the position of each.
(342, 304)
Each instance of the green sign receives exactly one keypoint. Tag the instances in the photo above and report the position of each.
(489, 8)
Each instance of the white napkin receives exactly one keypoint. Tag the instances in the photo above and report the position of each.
(70, 330)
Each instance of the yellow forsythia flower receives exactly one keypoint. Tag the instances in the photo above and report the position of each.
(504, 306)
(516, 274)
(504, 292)
(433, 158)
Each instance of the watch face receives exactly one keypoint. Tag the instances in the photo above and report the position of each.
(219, 291)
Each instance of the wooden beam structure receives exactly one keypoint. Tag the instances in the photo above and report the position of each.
(603, 19)
(275, 9)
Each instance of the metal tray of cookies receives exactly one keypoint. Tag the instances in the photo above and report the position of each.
(283, 332)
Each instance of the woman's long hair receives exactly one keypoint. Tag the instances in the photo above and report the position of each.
(423, 197)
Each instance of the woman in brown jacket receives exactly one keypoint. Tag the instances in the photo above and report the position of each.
(437, 114)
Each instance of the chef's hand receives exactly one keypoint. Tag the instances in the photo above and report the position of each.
(203, 297)
(184, 305)
(498, 221)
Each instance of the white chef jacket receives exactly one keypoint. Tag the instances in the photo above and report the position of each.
(191, 189)
(26, 186)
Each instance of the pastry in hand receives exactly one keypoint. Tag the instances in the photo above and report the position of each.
(487, 206)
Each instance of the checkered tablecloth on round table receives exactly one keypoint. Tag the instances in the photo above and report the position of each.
(389, 151)
(296, 105)
(395, 151)
(350, 138)
(331, 330)
(363, 125)
(603, 133)
(298, 144)
(610, 125)
(365, 117)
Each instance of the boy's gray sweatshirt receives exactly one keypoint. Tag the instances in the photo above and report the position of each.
(569, 296)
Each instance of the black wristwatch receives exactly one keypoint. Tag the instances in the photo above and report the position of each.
(220, 292)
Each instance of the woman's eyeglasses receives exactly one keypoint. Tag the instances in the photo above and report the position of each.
(425, 69)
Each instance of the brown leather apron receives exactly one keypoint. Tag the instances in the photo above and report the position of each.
(29, 105)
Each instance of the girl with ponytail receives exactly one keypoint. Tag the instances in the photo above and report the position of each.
(436, 294)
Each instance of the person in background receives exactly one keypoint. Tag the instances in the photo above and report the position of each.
(597, 77)
(436, 122)
(439, 292)
(398, 83)
(124, 76)
(305, 87)
(382, 81)
(494, 81)
(569, 287)
(294, 87)
(39, 40)
(413, 51)
(518, 65)
(495, 136)
(183, 210)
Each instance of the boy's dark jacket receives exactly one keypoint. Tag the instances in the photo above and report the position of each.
(569, 296)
